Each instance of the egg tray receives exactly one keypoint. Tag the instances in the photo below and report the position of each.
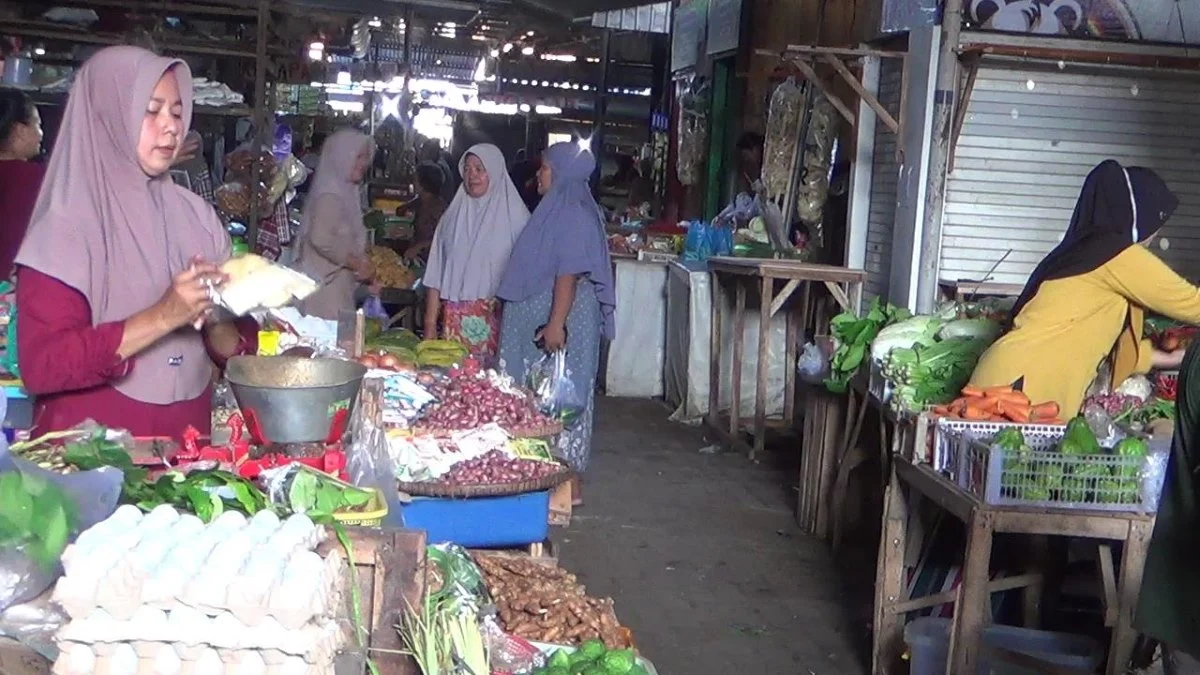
(314, 642)
(159, 658)
(254, 570)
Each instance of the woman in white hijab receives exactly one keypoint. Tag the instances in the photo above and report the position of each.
(470, 250)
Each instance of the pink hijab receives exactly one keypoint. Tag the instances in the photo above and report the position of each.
(333, 176)
(104, 228)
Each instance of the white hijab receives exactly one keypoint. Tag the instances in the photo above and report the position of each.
(475, 237)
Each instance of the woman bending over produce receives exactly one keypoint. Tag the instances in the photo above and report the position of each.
(112, 279)
(1086, 300)
(333, 239)
(558, 287)
(470, 249)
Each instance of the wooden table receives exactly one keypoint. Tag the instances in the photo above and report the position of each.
(824, 290)
(777, 281)
(972, 601)
(409, 303)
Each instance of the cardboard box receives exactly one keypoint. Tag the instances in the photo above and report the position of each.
(17, 659)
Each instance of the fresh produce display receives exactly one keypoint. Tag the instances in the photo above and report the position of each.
(316, 494)
(36, 516)
(592, 658)
(932, 374)
(390, 269)
(1069, 474)
(1131, 410)
(469, 400)
(444, 629)
(392, 340)
(854, 337)
(165, 591)
(1166, 386)
(441, 353)
(399, 360)
(546, 604)
(497, 468)
(999, 404)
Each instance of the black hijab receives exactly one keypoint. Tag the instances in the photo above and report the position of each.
(1103, 224)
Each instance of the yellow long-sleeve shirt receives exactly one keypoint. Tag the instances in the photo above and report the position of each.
(1072, 324)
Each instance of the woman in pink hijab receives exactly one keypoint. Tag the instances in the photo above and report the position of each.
(333, 239)
(111, 277)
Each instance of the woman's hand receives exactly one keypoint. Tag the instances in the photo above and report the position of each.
(554, 336)
(361, 268)
(1161, 360)
(189, 299)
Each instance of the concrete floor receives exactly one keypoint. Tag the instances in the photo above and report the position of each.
(703, 556)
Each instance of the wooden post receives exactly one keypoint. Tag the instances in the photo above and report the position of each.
(714, 353)
(1133, 559)
(888, 635)
(973, 611)
(739, 339)
(760, 382)
(261, 114)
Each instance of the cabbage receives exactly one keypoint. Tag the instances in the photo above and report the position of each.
(1136, 386)
(905, 335)
(984, 329)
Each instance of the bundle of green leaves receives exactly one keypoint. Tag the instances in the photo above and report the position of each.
(36, 516)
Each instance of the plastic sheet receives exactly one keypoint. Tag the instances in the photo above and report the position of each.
(34, 624)
(637, 354)
(689, 321)
(368, 463)
(813, 188)
(95, 494)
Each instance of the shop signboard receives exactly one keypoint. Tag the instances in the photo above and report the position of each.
(1162, 21)
(724, 26)
(688, 33)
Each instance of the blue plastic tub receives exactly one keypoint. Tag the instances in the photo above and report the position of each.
(928, 640)
(482, 521)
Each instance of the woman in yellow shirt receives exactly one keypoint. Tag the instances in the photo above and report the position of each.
(1086, 300)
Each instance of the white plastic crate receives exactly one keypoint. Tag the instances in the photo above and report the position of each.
(1046, 478)
(949, 437)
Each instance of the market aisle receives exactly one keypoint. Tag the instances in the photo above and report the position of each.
(703, 557)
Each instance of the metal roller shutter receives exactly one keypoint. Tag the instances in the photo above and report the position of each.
(884, 176)
(1031, 135)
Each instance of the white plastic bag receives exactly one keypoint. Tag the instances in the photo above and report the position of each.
(555, 393)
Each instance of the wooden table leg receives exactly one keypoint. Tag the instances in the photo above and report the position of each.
(973, 611)
(760, 380)
(714, 354)
(1133, 559)
(739, 339)
(1031, 595)
(789, 365)
(888, 637)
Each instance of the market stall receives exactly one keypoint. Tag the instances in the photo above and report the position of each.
(298, 542)
(1001, 465)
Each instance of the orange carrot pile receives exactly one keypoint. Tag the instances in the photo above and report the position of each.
(999, 404)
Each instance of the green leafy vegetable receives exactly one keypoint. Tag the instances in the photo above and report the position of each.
(317, 494)
(854, 336)
(36, 515)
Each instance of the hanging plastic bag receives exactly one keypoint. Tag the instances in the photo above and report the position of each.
(553, 390)
(813, 364)
(373, 308)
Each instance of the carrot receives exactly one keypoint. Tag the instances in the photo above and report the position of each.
(1047, 410)
(1018, 413)
(991, 405)
(941, 410)
(998, 391)
(1014, 397)
(975, 413)
(998, 418)
(972, 391)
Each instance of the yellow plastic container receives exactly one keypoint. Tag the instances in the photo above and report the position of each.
(371, 516)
